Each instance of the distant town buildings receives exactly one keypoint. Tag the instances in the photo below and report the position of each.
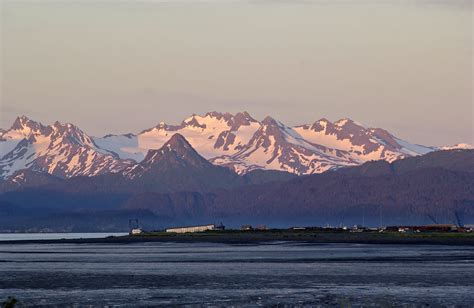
(298, 228)
(246, 228)
(196, 228)
(426, 228)
(134, 227)
(250, 228)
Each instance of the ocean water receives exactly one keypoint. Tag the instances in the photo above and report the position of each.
(53, 236)
(151, 274)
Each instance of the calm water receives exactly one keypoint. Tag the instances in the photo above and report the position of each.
(244, 275)
(53, 236)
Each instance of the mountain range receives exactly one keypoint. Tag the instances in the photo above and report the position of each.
(57, 178)
(436, 187)
(238, 142)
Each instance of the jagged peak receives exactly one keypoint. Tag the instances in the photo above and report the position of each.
(213, 114)
(268, 120)
(177, 141)
(241, 119)
(193, 121)
(70, 134)
(228, 116)
(66, 124)
(190, 118)
(202, 121)
(323, 120)
(63, 128)
(321, 124)
(269, 127)
(176, 148)
(22, 122)
(21, 119)
(348, 122)
(244, 115)
(343, 121)
(219, 115)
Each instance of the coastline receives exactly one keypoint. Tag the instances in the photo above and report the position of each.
(258, 237)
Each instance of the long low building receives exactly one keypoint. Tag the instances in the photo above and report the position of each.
(192, 229)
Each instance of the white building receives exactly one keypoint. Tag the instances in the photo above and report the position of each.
(192, 229)
(136, 231)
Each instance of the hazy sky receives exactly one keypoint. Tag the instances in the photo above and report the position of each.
(123, 66)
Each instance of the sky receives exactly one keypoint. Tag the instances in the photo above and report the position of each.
(124, 66)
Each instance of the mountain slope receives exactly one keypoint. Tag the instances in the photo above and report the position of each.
(238, 142)
(174, 167)
(363, 144)
(439, 186)
(243, 144)
(177, 166)
(414, 194)
(278, 147)
(211, 135)
(452, 160)
(62, 150)
(26, 178)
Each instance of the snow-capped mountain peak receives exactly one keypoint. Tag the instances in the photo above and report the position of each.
(361, 143)
(22, 127)
(176, 151)
(212, 134)
(243, 143)
(59, 149)
(237, 141)
(176, 144)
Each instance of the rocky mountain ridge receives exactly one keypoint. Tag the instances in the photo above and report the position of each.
(236, 141)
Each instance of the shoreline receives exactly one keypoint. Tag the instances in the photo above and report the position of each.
(260, 237)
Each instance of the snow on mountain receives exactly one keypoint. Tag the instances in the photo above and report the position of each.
(459, 146)
(242, 143)
(59, 149)
(27, 178)
(363, 144)
(176, 151)
(21, 129)
(211, 135)
(176, 166)
(238, 142)
(276, 146)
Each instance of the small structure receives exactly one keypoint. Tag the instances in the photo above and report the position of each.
(406, 230)
(357, 228)
(469, 227)
(134, 227)
(192, 229)
(136, 231)
(298, 228)
(425, 228)
(246, 228)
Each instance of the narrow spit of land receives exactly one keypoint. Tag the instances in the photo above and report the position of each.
(272, 235)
